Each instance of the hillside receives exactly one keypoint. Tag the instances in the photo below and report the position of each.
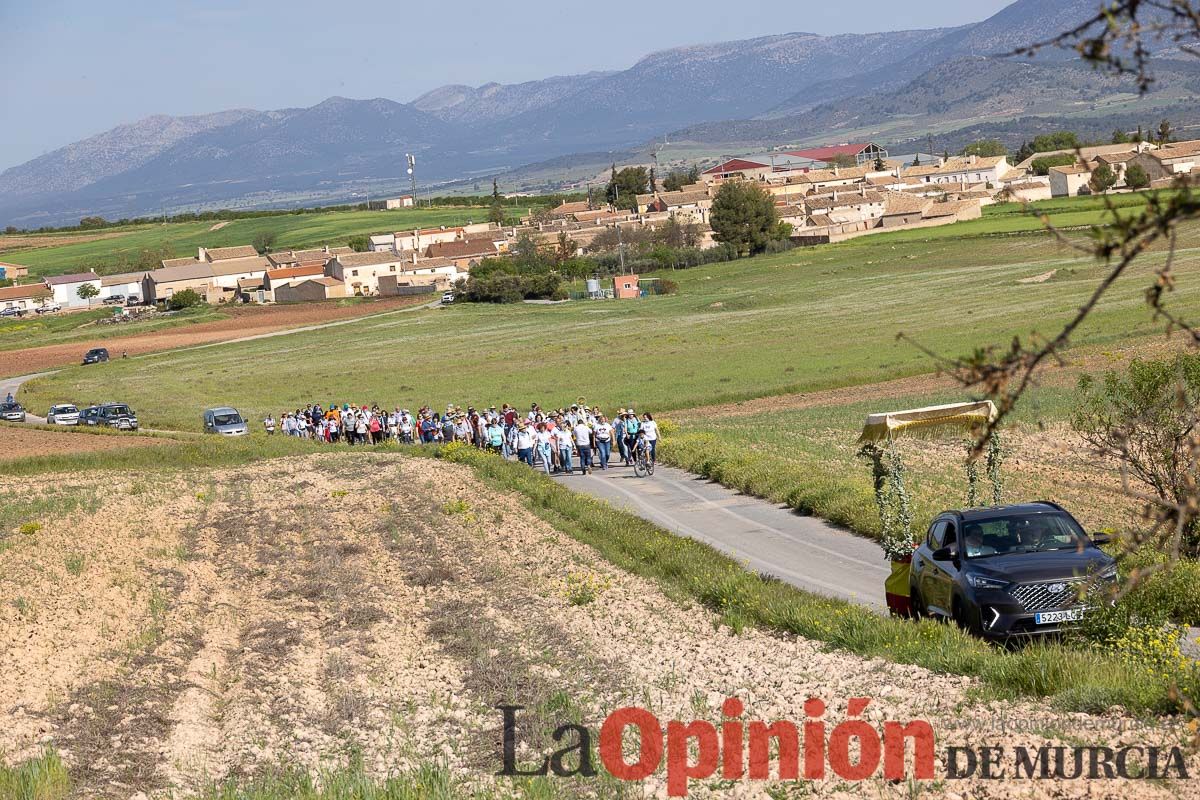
(972, 88)
(785, 86)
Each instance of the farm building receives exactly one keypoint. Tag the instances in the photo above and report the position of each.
(65, 288)
(866, 153)
(11, 272)
(310, 291)
(126, 284)
(25, 298)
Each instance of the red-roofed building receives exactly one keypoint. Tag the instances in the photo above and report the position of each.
(861, 153)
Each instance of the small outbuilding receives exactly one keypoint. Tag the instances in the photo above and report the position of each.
(311, 291)
(625, 287)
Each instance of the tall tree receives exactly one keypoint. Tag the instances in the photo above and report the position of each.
(626, 185)
(1103, 179)
(1164, 132)
(879, 165)
(653, 182)
(743, 215)
(496, 212)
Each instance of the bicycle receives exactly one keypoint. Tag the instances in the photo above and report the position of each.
(643, 465)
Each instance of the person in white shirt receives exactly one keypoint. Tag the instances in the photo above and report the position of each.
(523, 441)
(545, 446)
(603, 434)
(269, 424)
(583, 443)
(563, 439)
(651, 429)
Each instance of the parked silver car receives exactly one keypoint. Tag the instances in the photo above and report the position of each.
(63, 414)
(12, 412)
(225, 421)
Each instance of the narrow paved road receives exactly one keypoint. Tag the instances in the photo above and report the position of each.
(804, 551)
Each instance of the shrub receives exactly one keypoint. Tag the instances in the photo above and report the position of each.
(1041, 166)
(188, 298)
(1136, 177)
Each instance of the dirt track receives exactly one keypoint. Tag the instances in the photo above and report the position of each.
(243, 321)
(214, 624)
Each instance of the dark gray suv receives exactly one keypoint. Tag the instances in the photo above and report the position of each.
(1009, 571)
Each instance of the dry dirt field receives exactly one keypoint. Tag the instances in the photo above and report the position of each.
(21, 442)
(166, 629)
(242, 321)
(19, 242)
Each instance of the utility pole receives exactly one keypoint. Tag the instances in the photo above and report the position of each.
(621, 248)
(412, 174)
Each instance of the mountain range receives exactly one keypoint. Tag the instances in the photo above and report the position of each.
(786, 87)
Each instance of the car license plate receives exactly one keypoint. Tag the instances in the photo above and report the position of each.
(1050, 617)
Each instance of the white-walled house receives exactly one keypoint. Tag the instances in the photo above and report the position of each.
(960, 169)
(65, 288)
(360, 271)
(126, 284)
(25, 297)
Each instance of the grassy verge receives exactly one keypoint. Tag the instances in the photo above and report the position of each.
(46, 778)
(201, 452)
(41, 778)
(1073, 678)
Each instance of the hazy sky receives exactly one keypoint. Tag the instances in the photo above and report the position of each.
(73, 68)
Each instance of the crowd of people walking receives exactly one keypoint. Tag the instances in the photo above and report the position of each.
(560, 440)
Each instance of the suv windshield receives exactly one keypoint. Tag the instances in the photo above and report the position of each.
(117, 411)
(1022, 533)
(227, 419)
(64, 410)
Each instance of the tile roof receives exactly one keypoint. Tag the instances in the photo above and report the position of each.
(954, 164)
(76, 277)
(1176, 150)
(301, 256)
(122, 277)
(250, 283)
(224, 253)
(460, 249)
(324, 281)
(904, 203)
(1086, 152)
(236, 266)
(194, 271)
(1072, 169)
(369, 259)
(179, 262)
(23, 291)
(284, 273)
(830, 151)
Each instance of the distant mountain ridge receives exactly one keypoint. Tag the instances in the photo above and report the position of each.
(787, 86)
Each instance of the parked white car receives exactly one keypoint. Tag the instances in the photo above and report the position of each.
(63, 414)
(48, 308)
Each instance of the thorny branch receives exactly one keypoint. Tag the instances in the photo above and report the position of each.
(1119, 38)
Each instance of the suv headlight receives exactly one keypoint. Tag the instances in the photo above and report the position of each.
(984, 582)
(1109, 573)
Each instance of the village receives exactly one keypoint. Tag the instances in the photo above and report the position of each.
(826, 194)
